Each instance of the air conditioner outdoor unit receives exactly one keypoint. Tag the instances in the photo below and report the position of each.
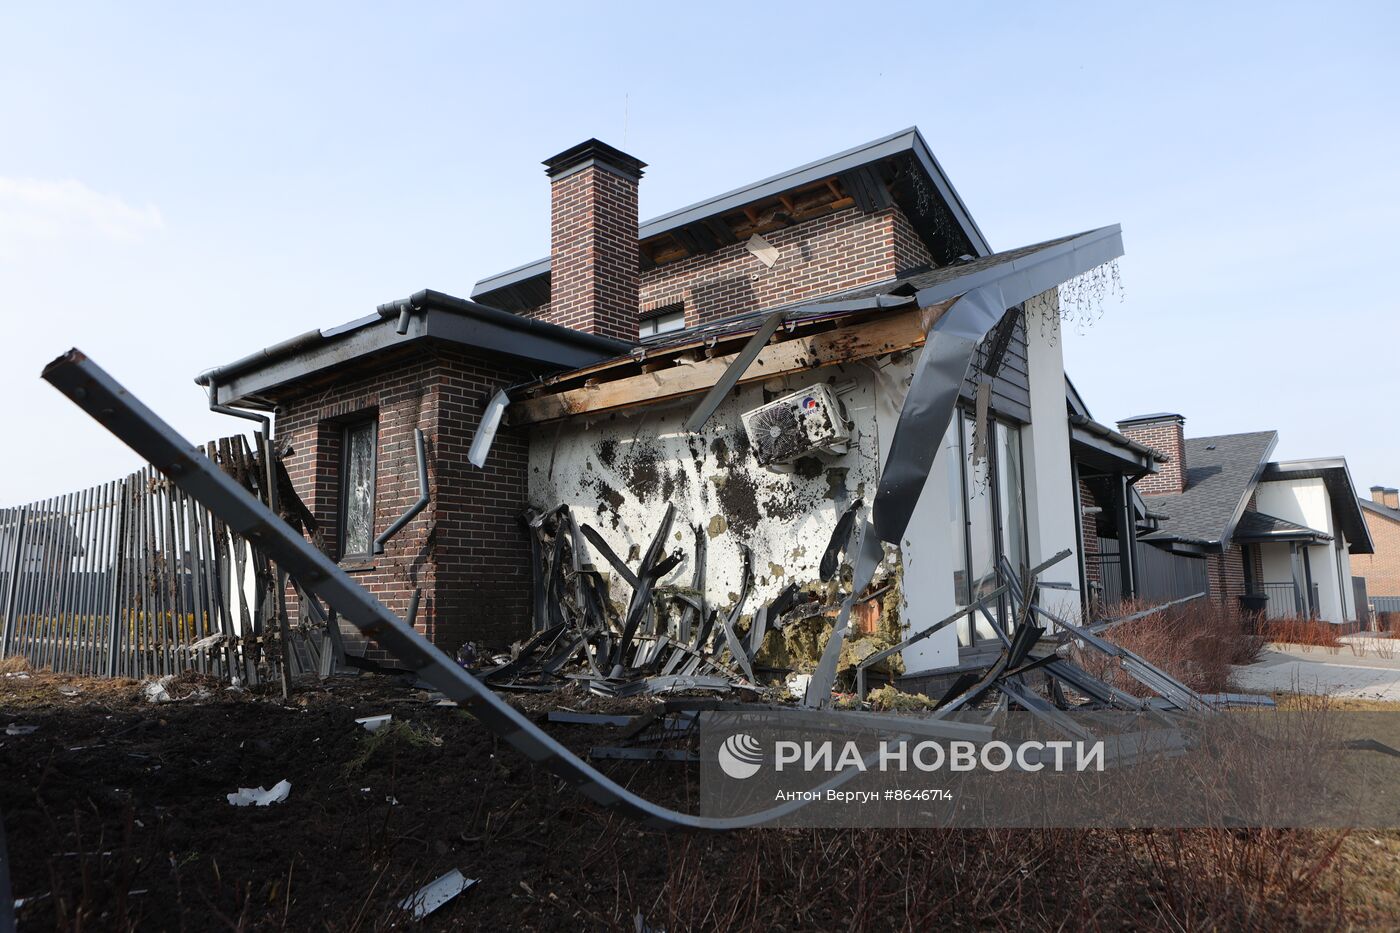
(798, 424)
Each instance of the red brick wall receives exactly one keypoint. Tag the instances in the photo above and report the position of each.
(466, 550)
(593, 253)
(1089, 543)
(824, 255)
(1381, 569)
(1225, 572)
(1167, 437)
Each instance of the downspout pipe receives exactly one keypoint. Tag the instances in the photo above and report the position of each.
(265, 430)
(423, 497)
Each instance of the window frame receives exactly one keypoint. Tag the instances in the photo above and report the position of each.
(672, 314)
(343, 510)
(966, 627)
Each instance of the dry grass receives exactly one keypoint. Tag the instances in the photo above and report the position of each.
(14, 664)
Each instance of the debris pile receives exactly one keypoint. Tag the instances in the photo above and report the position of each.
(623, 632)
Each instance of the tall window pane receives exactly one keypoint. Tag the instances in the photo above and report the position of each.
(357, 490)
(957, 523)
(1011, 497)
(981, 528)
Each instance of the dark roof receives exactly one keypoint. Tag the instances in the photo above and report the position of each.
(1341, 494)
(905, 153)
(1379, 508)
(1088, 438)
(1257, 527)
(255, 379)
(1221, 472)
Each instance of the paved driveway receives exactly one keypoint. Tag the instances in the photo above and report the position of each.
(1290, 669)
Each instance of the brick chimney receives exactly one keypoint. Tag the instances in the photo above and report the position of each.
(1164, 432)
(1392, 497)
(1378, 495)
(594, 263)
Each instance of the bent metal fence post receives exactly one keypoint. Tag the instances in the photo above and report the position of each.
(135, 578)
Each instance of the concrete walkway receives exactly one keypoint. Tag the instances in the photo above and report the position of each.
(1290, 669)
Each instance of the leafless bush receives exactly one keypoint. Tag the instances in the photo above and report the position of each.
(1309, 633)
(1196, 642)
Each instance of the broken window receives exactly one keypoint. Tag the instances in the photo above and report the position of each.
(357, 469)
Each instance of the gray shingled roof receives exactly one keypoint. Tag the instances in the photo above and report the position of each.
(1221, 473)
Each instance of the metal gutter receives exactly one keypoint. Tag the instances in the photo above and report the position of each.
(424, 314)
(1091, 426)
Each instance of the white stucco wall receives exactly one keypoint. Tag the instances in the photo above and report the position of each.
(618, 471)
(1049, 478)
(1305, 502)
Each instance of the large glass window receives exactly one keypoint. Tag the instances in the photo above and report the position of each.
(987, 517)
(1011, 494)
(357, 489)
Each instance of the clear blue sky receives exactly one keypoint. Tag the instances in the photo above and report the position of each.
(182, 183)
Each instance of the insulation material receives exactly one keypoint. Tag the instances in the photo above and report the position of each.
(619, 473)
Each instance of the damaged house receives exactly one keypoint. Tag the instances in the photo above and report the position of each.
(725, 400)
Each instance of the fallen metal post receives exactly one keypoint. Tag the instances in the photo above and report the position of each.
(1098, 628)
(110, 404)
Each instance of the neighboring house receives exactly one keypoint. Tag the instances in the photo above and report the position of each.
(1285, 531)
(1113, 517)
(605, 349)
(1381, 569)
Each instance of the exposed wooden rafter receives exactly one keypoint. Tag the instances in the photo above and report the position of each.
(689, 375)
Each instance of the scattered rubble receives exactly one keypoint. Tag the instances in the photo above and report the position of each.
(260, 796)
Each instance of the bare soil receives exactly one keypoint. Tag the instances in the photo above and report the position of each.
(116, 819)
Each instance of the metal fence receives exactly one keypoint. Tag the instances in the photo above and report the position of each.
(1161, 575)
(1285, 600)
(134, 578)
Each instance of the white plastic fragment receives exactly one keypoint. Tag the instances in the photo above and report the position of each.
(154, 691)
(436, 893)
(15, 728)
(261, 797)
(375, 723)
(797, 685)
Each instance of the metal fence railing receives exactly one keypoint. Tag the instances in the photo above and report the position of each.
(134, 578)
(1285, 601)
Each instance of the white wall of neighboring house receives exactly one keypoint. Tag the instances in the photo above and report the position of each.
(1305, 502)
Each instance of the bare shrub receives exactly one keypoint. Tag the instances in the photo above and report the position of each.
(1196, 642)
(1309, 633)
